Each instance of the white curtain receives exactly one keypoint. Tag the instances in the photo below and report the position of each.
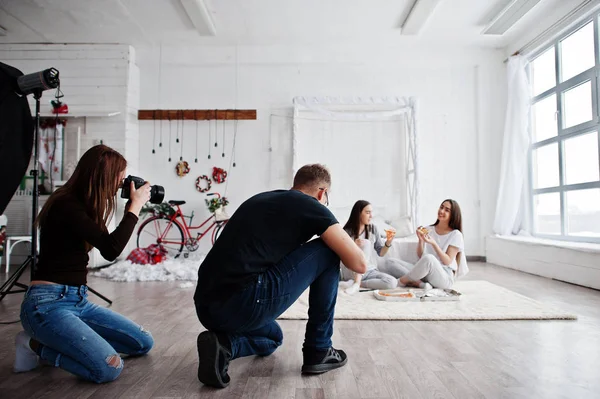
(510, 210)
(369, 147)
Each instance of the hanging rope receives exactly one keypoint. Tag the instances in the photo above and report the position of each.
(154, 128)
(209, 136)
(161, 125)
(232, 160)
(235, 127)
(182, 132)
(170, 124)
(196, 118)
(223, 143)
(179, 116)
(216, 129)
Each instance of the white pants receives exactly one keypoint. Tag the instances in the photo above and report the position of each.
(427, 269)
(373, 278)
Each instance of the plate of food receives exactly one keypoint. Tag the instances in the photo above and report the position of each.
(396, 295)
(416, 295)
(436, 294)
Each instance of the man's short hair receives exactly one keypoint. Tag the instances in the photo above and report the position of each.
(312, 176)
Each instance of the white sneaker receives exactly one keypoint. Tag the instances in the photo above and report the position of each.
(352, 290)
(426, 286)
(25, 358)
(345, 284)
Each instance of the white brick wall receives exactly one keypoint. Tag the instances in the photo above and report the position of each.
(95, 80)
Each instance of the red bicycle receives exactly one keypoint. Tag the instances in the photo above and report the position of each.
(173, 232)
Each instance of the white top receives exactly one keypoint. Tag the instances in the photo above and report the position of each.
(373, 248)
(454, 238)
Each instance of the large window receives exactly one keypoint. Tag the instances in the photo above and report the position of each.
(565, 150)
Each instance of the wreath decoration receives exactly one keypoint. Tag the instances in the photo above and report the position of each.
(182, 168)
(199, 183)
(219, 175)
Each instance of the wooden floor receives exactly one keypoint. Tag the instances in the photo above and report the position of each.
(427, 359)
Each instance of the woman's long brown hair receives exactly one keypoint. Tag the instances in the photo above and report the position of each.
(353, 223)
(94, 183)
(455, 222)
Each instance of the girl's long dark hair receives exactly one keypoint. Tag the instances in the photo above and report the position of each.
(94, 182)
(455, 222)
(353, 223)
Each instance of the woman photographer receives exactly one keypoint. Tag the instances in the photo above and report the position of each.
(61, 326)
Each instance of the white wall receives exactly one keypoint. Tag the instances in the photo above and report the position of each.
(462, 102)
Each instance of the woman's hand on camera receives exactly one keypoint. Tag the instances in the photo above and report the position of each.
(138, 197)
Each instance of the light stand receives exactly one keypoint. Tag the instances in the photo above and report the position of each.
(32, 258)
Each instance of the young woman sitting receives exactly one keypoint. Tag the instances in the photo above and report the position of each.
(367, 237)
(440, 251)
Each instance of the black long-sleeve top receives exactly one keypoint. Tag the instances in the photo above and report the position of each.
(63, 257)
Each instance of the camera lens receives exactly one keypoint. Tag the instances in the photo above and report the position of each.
(157, 194)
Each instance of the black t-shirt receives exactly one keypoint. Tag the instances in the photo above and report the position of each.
(262, 231)
(63, 256)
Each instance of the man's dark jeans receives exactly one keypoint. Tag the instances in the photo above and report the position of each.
(247, 318)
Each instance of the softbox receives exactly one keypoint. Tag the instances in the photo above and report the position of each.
(16, 134)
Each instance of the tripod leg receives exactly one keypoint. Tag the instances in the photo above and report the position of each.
(100, 295)
(14, 280)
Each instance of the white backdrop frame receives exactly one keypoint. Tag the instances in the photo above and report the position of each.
(368, 109)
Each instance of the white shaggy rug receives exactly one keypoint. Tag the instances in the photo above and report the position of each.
(169, 270)
(480, 300)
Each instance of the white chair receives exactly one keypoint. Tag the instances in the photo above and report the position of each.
(18, 222)
(11, 241)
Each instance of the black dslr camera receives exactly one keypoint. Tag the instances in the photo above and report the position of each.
(157, 193)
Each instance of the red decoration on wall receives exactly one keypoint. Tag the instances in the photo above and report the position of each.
(219, 175)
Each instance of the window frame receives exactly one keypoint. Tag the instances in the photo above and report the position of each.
(592, 75)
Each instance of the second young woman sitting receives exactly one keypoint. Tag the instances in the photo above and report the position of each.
(367, 237)
(440, 251)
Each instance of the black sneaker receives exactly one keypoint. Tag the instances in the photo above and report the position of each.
(323, 361)
(213, 360)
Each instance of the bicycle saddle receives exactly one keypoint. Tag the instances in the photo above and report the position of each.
(173, 202)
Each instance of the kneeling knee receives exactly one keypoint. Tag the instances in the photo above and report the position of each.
(111, 370)
(147, 342)
(390, 283)
(272, 348)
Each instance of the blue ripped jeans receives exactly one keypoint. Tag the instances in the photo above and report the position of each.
(80, 336)
(247, 317)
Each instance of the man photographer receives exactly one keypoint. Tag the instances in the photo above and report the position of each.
(261, 264)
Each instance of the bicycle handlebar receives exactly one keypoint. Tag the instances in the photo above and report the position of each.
(217, 194)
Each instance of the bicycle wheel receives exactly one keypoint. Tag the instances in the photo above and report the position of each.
(162, 231)
(218, 230)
